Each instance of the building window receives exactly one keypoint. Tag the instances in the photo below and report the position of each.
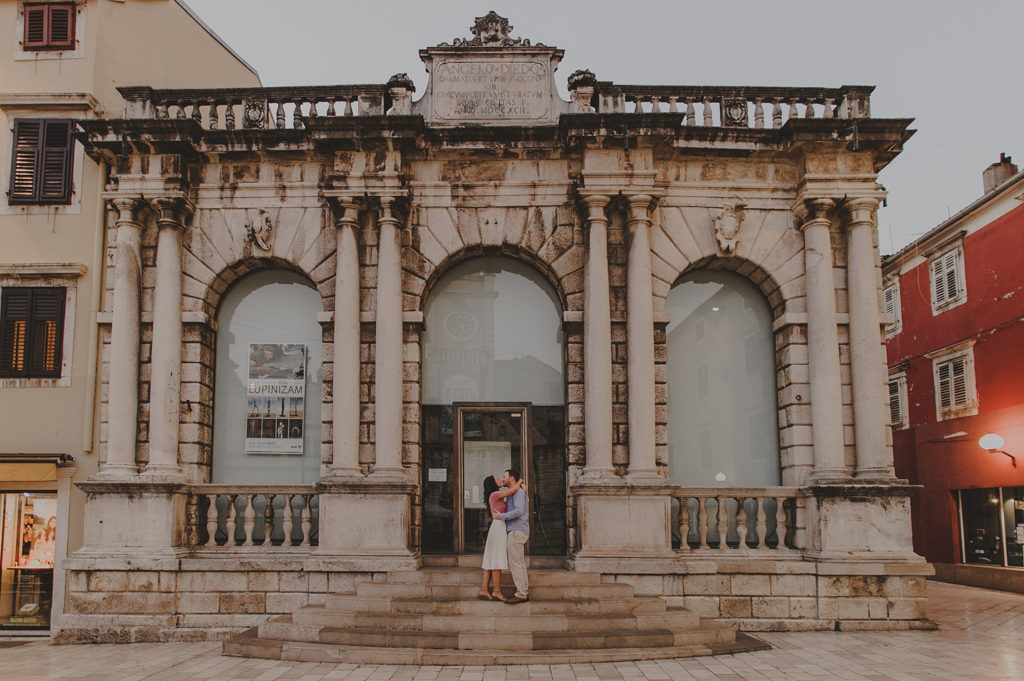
(947, 278)
(955, 394)
(891, 308)
(32, 330)
(898, 401)
(49, 26)
(992, 526)
(41, 163)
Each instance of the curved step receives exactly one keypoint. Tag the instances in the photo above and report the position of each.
(247, 644)
(535, 606)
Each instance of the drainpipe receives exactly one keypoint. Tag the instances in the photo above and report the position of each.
(88, 427)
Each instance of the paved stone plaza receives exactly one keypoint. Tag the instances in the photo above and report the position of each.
(978, 640)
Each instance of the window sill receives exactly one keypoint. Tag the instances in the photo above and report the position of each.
(959, 413)
(51, 382)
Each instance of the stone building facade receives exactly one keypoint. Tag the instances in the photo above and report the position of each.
(491, 186)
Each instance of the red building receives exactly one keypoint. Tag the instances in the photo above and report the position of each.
(955, 345)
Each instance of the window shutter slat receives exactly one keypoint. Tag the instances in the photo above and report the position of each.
(35, 27)
(62, 26)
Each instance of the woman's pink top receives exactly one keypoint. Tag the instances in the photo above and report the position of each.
(497, 505)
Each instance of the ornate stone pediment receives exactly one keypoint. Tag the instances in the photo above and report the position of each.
(490, 30)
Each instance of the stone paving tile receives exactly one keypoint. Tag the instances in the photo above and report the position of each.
(979, 640)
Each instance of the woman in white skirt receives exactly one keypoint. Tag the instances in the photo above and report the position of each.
(495, 557)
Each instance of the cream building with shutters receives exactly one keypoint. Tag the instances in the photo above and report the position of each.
(330, 312)
(63, 61)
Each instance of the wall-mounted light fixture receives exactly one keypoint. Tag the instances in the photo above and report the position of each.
(994, 443)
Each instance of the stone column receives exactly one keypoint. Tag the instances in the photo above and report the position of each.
(597, 342)
(123, 405)
(867, 359)
(388, 363)
(823, 341)
(640, 339)
(165, 388)
(345, 462)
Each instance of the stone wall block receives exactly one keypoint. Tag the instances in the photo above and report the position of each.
(243, 602)
(77, 581)
(263, 581)
(833, 586)
(769, 607)
(225, 581)
(803, 608)
(854, 608)
(705, 606)
(108, 581)
(190, 602)
(318, 582)
(793, 585)
(285, 602)
(144, 581)
(705, 585)
(750, 585)
(735, 606)
(907, 608)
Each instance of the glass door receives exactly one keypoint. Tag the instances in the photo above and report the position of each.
(28, 534)
(490, 440)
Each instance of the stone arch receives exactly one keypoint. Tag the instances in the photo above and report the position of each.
(224, 279)
(547, 237)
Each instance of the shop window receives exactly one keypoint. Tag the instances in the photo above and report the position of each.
(49, 26)
(28, 535)
(993, 525)
(721, 383)
(898, 401)
(31, 331)
(268, 381)
(947, 279)
(891, 308)
(41, 162)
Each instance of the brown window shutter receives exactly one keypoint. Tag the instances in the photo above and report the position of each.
(28, 141)
(62, 26)
(36, 32)
(55, 168)
(47, 331)
(15, 317)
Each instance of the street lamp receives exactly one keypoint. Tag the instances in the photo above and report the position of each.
(994, 443)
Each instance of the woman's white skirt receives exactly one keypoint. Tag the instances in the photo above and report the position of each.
(495, 555)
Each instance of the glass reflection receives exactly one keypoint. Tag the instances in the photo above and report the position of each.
(722, 427)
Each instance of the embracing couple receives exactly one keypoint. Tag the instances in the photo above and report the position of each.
(506, 539)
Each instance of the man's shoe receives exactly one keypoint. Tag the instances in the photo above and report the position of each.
(517, 599)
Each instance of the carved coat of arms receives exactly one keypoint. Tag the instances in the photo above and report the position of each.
(727, 228)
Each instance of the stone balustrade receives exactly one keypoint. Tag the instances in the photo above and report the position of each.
(734, 107)
(273, 108)
(739, 520)
(228, 517)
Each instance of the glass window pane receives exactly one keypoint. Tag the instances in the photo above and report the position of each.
(28, 537)
(982, 540)
(493, 334)
(723, 427)
(278, 310)
(1013, 512)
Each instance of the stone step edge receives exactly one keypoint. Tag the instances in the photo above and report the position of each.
(247, 644)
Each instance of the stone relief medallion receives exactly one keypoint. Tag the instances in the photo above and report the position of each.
(254, 113)
(727, 228)
(734, 113)
(259, 230)
(461, 325)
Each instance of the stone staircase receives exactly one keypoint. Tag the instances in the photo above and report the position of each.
(433, 617)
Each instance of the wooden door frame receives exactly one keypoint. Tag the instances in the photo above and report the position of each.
(525, 452)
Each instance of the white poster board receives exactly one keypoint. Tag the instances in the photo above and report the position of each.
(276, 398)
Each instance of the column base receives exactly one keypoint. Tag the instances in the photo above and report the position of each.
(880, 474)
(828, 475)
(158, 473)
(367, 522)
(116, 471)
(623, 520)
(136, 518)
(858, 521)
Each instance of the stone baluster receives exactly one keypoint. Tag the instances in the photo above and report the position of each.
(640, 339)
(229, 115)
(776, 114)
(248, 518)
(388, 365)
(722, 522)
(280, 121)
(762, 522)
(268, 519)
(691, 113)
(781, 521)
(706, 104)
(597, 341)
(828, 113)
(288, 522)
(822, 340)
(165, 386)
(741, 522)
(124, 344)
(867, 356)
(231, 523)
(345, 415)
(702, 522)
(214, 115)
(758, 114)
(306, 518)
(684, 523)
(211, 521)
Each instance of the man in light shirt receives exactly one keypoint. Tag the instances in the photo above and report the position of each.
(517, 524)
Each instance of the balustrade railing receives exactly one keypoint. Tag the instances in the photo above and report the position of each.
(279, 517)
(738, 520)
(733, 107)
(273, 108)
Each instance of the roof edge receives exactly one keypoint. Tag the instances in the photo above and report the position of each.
(213, 34)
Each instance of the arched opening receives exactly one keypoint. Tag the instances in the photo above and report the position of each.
(722, 397)
(493, 397)
(268, 381)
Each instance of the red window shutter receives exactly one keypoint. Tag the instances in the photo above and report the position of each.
(55, 168)
(47, 331)
(62, 26)
(15, 316)
(36, 33)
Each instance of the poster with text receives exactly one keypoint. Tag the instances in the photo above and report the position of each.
(276, 398)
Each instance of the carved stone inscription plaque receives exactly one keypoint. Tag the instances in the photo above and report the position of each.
(492, 89)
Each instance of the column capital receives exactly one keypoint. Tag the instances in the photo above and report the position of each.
(813, 211)
(171, 211)
(389, 206)
(860, 210)
(639, 207)
(128, 208)
(594, 206)
(345, 210)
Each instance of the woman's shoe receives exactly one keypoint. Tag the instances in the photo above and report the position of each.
(498, 596)
(484, 596)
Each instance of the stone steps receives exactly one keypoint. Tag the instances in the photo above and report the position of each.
(433, 616)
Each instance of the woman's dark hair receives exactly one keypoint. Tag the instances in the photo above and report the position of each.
(490, 486)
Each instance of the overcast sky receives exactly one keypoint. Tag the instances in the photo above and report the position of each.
(953, 66)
